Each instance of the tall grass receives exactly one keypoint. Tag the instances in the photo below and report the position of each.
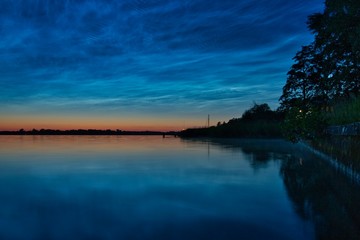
(344, 112)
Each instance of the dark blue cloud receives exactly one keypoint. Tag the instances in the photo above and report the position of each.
(162, 55)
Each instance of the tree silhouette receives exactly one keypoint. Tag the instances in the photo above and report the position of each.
(328, 69)
(303, 80)
(258, 112)
(337, 39)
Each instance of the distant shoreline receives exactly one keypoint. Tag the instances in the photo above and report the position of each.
(44, 132)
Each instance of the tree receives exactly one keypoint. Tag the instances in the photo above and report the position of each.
(337, 39)
(258, 112)
(324, 71)
(304, 79)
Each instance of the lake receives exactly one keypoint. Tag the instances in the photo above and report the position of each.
(149, 187)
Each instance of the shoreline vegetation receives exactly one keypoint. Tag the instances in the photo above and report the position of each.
(257, 122)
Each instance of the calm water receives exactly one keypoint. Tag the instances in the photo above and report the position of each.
(111, 187)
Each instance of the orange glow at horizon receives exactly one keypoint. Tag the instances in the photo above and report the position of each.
(81, 122)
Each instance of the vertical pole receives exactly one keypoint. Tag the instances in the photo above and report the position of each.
(208, 120)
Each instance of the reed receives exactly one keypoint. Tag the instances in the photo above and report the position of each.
(344, 112)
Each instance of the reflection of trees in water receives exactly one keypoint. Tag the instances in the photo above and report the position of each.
(322, 196)
(245, 145)
(258, 151)
(319, 193)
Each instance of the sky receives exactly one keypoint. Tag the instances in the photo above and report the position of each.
(144, 65)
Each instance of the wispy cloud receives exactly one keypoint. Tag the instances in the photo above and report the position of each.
(155, 56)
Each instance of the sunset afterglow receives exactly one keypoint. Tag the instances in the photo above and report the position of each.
(137, 65)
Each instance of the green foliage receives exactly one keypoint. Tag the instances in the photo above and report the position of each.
(344, 112)
(303, 124)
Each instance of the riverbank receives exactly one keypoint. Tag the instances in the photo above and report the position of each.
(341, 152)
(341, 148)
(237, 129)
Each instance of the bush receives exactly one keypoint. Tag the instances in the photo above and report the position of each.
(303, 124)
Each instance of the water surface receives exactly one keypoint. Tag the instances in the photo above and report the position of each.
(119, 187)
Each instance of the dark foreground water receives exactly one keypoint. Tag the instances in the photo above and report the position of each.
(110, 187)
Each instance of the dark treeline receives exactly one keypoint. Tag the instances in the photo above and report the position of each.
(322, 88)
(84, 132)
(325, 72)
(258, 121)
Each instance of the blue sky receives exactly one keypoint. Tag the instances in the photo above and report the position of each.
(158, 61)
